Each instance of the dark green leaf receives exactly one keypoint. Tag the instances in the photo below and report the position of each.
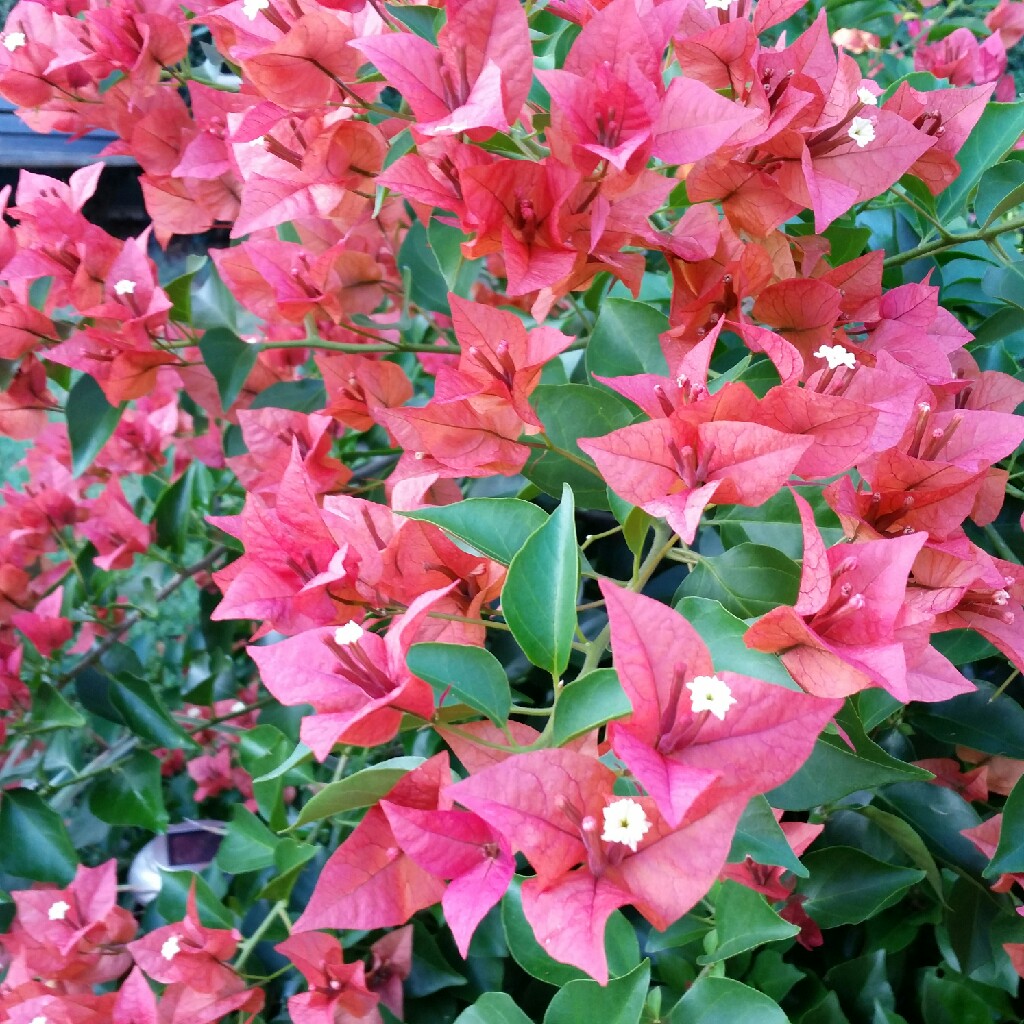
(551, 472)
(621, 1001)
(1001, 189)
(419, 266)
(743, 920)
(759, 836)
(776, 523)
(446, 243)
(173, 510)
(493, 1008)
(473, 674)
(1009, 855)
(908, 841)
(572, 411)
(947, 999)
(979, 720)
(724, 1001)
(361, 789)
(625, 340)
(422, 20)
(748, 580)
(229, 359)
(723, 633)
(248, 846)
(91, 421)
(51, 711)
(144, 713)
(299, 395)
(846, 886)
(497, 527)
(131, 793)
(33, 840)
(539, 597)
(179, 290)
(588, 702)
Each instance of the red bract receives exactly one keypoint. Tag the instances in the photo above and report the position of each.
(337, 991)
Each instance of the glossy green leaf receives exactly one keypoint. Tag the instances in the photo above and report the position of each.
(34, 843)
(51, 711)
(361, 789)
(621, 1001)
(248, 845)
(625, 340)
(422, 20)
(572, 411)
(846, 886)
(1009, 855)
(904, 836)
(144, 713)
(946, 998)
(979, 720)
(724, 1001)
(776, 523)
(229, 359)
(759, 836)
(588, 702)
(493, 1008)
(420, 269)
(620, 944)
(551, 471)
(91, 421)
(173, 510)
(743, 921)
(723, 633)
(131, 793)
(497, 527)
(473, 674)
(748, 580)
(445, 242)
(298, 395)
(180, 289)
(173, 900)
(1000, 190)
(998, 129)
(539, 597)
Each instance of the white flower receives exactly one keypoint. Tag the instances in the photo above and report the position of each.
(59, 910)
(867, 97)
(348, 634)
(14, 40)
(862, 131)
(709, 693)
(836, 356)
(238, 707)
(124, 287)
(720, 5)
(625, 822)
(252, 8)
(38, 1020)
(171, 948)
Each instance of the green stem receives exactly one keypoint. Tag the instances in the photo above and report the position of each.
(927, 248)
(278, 910)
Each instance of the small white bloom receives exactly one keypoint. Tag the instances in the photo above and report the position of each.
(867, 97)
(720, 5)
(195, 712)
(348, 634)
(709, 693)
(238, 707)
(862, 131)
(252, 8)
(124, 287)
(171, 948)
(14, 40)
(38, 1020)
(836, 356)
(59, 910)
(625, 822)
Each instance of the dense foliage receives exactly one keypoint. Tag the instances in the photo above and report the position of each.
(563, 544)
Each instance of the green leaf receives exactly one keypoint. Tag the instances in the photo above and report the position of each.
(947, 999)
(908, 841)
(361, 789)
(299, 395)
(748, 580)
(551, 471)
(179, 290)
(419, 266)
(724, 1001)
(620, 944)
(422, 20)
(938, 815)
(846, 886)
(759, 836)
(588, 702)
(172, 901)
(776, 523)
(143, 713)
(1001, 189)
(91, 421)
(723, 633)
(621, 1001)
(446, 243)
(625, 340)
(1009, 856)
(131, 793)
(248, 846)
(51, 711)
(173, 510)
(979, 720)
(229, 359)
(999, 127)
(743, 921)
(539, 596)
(493, 1008)
(290, 857)
(496, 527)
(572, 411)
(1006, 283)
(33, 840)
(473, 674)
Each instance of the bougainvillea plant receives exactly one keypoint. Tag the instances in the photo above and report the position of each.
(559, 542)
